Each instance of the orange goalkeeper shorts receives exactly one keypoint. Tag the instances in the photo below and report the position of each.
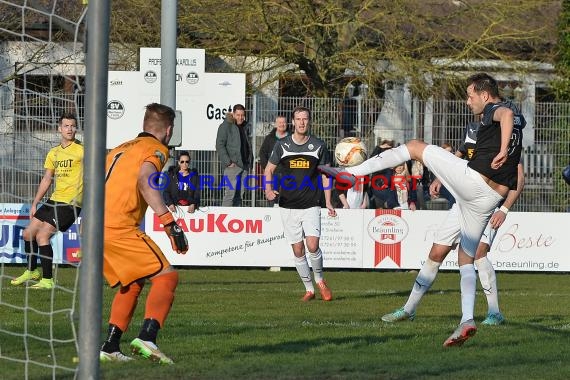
(129, 256)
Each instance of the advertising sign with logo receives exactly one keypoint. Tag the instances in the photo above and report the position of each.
(14, 218)
(341, 239)
(203, 98)
(370, 239)
(227, 236)
(363, 239)
(190, 64)
(202, 115)
(190, 68)
(128, 94)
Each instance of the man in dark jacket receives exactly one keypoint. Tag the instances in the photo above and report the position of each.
(280, 131)
(235, 154)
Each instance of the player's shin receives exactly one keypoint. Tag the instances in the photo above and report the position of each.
(46, 259)
(304, 272)
(159, 299)
(468, 286)
(31, 249)
(112, 343)
(422, 284)
(488, 279)
(124, 305)
(317, 264)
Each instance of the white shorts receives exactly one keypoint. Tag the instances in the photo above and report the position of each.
(448, 232)
(474, 198)
(298, 223)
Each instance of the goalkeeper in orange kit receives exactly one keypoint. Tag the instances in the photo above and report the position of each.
(130, 256)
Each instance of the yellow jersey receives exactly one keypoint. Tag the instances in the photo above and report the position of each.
(67, 165)
(124, 205)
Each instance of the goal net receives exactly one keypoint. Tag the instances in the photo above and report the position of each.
(41, 77)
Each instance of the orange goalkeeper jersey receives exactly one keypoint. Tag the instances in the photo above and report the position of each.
(124, 205)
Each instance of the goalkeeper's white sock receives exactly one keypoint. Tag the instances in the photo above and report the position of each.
(488, 280)
(304, 272)
(468, 285)
(424, 280)
(387, 159)
(317, 264)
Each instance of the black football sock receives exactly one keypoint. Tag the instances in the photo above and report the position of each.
(31, 248)
(149, 330)
(112, 343)
(46, 258)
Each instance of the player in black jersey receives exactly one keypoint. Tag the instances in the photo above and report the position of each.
(300, 191)
(478, 185)
(447, 235)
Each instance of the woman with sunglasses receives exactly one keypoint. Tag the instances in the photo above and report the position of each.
(184, 186)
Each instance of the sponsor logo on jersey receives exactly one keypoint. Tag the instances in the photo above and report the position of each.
(299, 163)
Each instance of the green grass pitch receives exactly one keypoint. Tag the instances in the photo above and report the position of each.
(250, 324)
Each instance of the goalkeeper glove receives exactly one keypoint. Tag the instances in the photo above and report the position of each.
(175, 234)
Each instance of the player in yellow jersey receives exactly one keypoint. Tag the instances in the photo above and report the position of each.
(64, 164)
(131, 257)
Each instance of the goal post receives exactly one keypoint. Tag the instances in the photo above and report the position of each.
(45, 73)
(90, 295)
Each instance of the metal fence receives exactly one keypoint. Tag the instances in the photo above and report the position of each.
(28, 130)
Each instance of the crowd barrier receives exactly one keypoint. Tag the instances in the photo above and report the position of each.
(362, 239)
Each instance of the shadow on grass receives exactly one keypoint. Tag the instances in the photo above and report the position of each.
(232, 282)
(305, 345)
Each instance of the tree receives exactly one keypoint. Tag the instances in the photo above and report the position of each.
(562, 85)
(39, 25)
(368, 41)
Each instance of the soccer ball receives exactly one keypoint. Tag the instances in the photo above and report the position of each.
(350, 151)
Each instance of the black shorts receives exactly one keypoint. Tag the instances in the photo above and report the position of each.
(58, 214)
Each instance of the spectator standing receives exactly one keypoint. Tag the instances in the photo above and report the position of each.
(355, 197)
(382, 145)
(184, 186)
(280, 131)
(414, 171)
(405, 191)
(380, 193)
(444, 194)
(235, 154)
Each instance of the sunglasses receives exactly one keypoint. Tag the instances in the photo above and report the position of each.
(184, 162)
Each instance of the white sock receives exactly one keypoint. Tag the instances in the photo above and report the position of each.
(387, 159)
(468, 286)
(488, 280)
(317, 264)
(424, 280)
(304, 272)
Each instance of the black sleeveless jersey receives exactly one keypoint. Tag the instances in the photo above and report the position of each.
(488, 144)
(301, 185)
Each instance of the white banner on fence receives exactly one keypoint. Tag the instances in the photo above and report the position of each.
(369, 239)
(372, 239)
